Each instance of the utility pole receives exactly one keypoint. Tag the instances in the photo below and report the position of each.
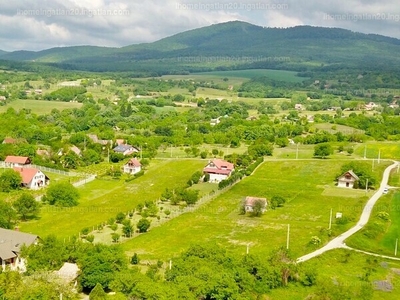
(287, 238)
(247, 248)
(170, 264)
(330, 220)
(395, 248)
(379, 156)
(366, 187)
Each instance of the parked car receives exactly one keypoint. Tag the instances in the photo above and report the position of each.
(385, 190)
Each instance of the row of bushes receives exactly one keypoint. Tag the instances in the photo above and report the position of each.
(253, 166)
(236, 176)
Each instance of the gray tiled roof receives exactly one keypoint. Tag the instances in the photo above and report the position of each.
(12, 240)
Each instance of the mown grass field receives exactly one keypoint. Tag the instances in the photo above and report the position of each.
(302, 183)
(102, 199)
(39, 107)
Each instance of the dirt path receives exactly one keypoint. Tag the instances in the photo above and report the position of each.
(338, 242)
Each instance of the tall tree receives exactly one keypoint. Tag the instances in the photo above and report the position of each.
(26, 206)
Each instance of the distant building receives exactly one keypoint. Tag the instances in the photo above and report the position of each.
(249, 203)
(133, 166)
(348, 179)
(11, 242)
(17, 161)
(218, 170)
(3, 98)
(125, 149)
(32, 178)
(216, 121)
(298, 106)
(370, 106)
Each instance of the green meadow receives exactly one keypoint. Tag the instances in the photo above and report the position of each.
(380, 234)
(39, 107)
(103, 199)
(309, 189)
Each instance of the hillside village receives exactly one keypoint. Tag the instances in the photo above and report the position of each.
(210, 179)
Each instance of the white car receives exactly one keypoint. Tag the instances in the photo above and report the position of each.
(385, 190)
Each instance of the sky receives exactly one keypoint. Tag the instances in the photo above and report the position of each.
(42, 24)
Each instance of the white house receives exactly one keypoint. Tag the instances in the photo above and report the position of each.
(133, 166)
(370, 106)
(32, 178)
(348, 179)
(218, 170)
(11, 242)
(249, 203)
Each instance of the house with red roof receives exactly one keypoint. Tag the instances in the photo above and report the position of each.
(218, 170)
(32, 178)
(17, 161)
(133, 166)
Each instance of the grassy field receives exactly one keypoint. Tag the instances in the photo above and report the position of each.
(388, 150)
(279, 75)
(307, 187)
(380, 235)
(39, 107)
(102, 199)
(179, 152)
(348, 268)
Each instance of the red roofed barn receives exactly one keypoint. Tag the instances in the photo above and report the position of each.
(218, 170)
(32, 178)
(16, 161)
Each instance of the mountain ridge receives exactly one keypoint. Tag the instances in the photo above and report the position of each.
(300, 45)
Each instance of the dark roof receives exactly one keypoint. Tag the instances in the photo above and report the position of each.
(352, 174)
(122, 148)
(12, 240)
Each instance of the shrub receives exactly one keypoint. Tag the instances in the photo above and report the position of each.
(135, 259)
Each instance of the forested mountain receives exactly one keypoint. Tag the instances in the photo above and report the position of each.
(232, 45)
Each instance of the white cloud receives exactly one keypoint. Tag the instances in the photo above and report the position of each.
(40, 24)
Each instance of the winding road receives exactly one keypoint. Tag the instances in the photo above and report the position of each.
(338, 242)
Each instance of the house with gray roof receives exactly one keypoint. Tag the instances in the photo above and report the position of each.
(348, 179)
(11, 242)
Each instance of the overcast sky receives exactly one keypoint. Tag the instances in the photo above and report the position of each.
(42, 24)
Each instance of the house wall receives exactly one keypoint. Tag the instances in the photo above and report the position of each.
(343, 183)
(37, 178)
(217, 177)
(132, 170)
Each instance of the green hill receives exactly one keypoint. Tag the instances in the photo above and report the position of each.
(232, 45)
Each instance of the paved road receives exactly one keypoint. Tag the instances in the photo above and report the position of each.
(338, 242)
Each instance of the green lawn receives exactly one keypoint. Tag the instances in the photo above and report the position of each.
(40, 107)
(102, 199)
(302, 183)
